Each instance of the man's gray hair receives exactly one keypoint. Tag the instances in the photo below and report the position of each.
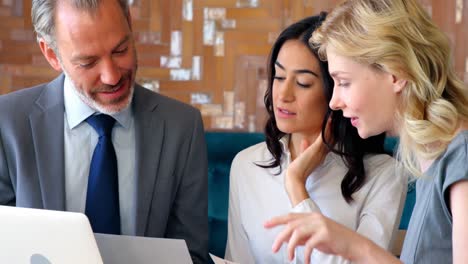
(43, 16)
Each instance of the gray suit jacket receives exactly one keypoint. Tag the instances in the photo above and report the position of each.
(171, 159)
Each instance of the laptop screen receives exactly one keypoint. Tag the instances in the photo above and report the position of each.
(43, 236)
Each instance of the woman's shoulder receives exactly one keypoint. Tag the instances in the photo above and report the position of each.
(255, 153)
(383, 167)
(459, 143)
(373, 161)
(247, 164)
(456, 154)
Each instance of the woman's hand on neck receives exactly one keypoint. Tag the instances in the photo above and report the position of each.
(307, 153)
(299, 142)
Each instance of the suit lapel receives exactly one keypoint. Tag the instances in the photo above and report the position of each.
(149, 133)
(47, 133)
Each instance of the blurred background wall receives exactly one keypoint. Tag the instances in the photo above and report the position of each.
(208, 53)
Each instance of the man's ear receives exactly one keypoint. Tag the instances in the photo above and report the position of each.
(398, 83)
(50, 55)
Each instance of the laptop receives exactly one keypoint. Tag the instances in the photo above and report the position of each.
(33, 236)
(142, 250)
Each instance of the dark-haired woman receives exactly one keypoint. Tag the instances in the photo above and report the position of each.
(350, 180)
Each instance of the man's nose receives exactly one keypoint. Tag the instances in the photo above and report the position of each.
(110, 73)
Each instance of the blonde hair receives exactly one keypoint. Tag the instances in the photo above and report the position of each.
(398, 36)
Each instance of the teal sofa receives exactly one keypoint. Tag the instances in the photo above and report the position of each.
(222, 148)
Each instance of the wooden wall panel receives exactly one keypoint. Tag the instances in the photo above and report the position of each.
(5, 83)
(248, 13)
(197, 21)
(7, 57)
(187, 44)
(25, 12)
(153, 73)
(217, 79)
(176, 14)
(155, 7)
(11, 22)
(164, 15)
(144, 7)
(209, 73)
(217, 3)
(187, 86)
(232, 66)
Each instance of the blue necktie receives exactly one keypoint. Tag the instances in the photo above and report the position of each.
(102, 198)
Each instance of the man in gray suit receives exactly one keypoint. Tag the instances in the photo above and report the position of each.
(47, 145)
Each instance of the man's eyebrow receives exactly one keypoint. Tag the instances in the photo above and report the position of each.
(83, 58)
(125, 39)
(91, 57)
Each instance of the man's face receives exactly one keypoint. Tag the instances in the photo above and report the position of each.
(97, 52)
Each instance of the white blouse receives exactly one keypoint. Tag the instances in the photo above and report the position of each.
(257, 194)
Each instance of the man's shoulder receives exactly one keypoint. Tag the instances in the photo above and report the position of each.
(21, 99)
(24, 94)
(164, 103)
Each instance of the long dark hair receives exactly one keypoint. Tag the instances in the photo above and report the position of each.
(346, 140)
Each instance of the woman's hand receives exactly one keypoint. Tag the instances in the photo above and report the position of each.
(309, 158)
(315, 231)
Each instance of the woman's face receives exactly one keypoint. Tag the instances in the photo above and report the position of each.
(366, 96)
(298, 98)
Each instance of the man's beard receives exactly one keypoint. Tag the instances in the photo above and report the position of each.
(92, 103)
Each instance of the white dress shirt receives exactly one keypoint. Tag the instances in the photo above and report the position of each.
(80, 139)
(257, 194)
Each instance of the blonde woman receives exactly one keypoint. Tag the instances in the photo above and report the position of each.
(392, 72)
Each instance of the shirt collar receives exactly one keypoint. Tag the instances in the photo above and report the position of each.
(284, 141)
(77, 111)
